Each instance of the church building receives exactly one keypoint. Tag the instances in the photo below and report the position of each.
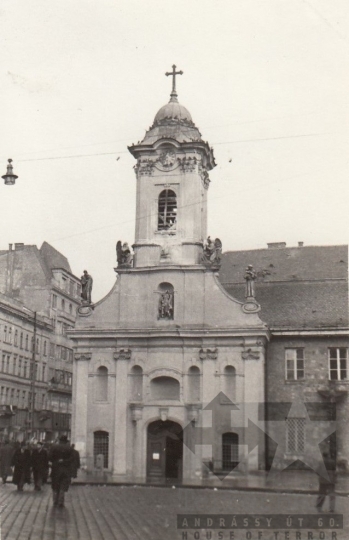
(163, 358)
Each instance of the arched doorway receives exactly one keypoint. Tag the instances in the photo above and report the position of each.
(164, 451)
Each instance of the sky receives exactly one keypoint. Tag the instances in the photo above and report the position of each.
(266, 82)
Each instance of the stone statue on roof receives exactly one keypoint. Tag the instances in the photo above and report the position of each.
(86, 287)
(250, 276)
(123, 254)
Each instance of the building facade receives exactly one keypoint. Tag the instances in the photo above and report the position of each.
(303, 293)
(168, 339)
(39, 297)
(188, 366)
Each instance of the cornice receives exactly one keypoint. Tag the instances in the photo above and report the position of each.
(344, 331)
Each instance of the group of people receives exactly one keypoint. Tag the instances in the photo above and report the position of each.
(26, 458)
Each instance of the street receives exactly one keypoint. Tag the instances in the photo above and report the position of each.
(148, 513)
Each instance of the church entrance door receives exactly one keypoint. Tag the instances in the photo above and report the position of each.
(164, 452)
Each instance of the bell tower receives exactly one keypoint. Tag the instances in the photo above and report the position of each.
(172, 182)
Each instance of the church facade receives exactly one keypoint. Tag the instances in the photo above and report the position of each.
(163, 358)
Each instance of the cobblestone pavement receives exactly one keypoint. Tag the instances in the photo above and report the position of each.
(145, 513)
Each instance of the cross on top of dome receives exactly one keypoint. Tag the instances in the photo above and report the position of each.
(173, 74)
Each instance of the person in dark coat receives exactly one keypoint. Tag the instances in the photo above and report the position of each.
(39, 463)
(76, 462)
(21, 460)
(62, 457)
(6, 453)
(327, 485)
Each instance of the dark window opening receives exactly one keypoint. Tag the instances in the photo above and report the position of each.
(167, 210)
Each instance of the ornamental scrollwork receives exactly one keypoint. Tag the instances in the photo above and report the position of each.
(208, 354)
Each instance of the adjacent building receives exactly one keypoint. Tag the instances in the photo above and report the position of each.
(303, 294)
(39, 297)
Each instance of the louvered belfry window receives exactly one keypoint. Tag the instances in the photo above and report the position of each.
(167, 210)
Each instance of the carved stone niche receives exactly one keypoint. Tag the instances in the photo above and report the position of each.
(136, 412)
(83, 356)
(122, 354)
(163, 413)
(208, 354)
(250, 354)
(193, 412)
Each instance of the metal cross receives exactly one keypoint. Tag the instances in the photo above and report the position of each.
(173, 73)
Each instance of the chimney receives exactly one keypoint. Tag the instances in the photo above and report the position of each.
(275, 245)
(19, 246)
(300, 244)
(10, 247)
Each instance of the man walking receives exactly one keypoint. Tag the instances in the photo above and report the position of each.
(76, 462)
(61, 456)
(39, 462)
(327, 485)
(6, 453)
(21, 461)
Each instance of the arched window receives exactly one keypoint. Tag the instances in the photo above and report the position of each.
(194, 384)
(230, 451)
(136, 383)
(101, 449)
(166, 301)
(229, 382)
(164, 388)
(101, 384)
(167, 210)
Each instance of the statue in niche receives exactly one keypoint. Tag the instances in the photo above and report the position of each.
(166, 305)
(250, 276)
(86, 287)
(212, 254)
(123, 254)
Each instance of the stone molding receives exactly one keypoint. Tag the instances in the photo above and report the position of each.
(250, 354)
(122, 354)
(83, 356)
(208, 354)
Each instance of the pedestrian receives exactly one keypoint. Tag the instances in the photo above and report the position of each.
(6, 453)
(76, 462)
(21, 460)
(327, 485)
(39, 463)
(61, 456)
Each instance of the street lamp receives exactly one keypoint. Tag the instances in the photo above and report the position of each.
(9, 177)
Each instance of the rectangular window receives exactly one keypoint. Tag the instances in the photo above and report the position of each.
(294, 367)
(14, 364)
(52, 350)
(19, 373)
(8, 364)
(21, 341)
(16, 338)
(54, 301)
(70, 355)
(64, 353)
(3, 363)
(295, 435)
(58, 352)
(45, 348)
(44, 372)
(25, 369)
(337, 363)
